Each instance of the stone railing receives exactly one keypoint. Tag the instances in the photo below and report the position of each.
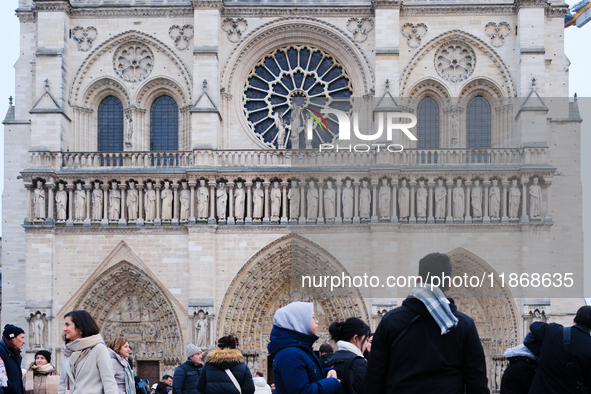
(279, 158)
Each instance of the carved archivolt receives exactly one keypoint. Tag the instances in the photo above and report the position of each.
(467, 40)
(360, 28)
(234, 27)
(127, 302)
(158, 86)
(428, 87)
(414, 33)
(103, 88)
(181, 35)
(124, 39)
(480, 87)
(497, 32)
(84, 37)
(271, 279)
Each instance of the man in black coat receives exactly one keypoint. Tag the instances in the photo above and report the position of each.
(413, 353)
(13, 339)
(563, 367)
(186, 375)
(325, 352)
(165, 385)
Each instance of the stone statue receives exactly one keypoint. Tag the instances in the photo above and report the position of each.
(458, 200)
(403, 200)
(133, 198)
(347, 198)
(39, 201)
(477, 199)
(514, 200)
(202, 200)
(38, 331)
(384, 195)
(329, 201)
(80, 199)
(422, 200)
(295, 124)
(114, 202)
(258, 198)
(129, 132)
(440, 197)
(535, 200)
(294, 200)
(201, 326)
(280, 124)
(61, 202)
(364, 201)
(185, 197)
(167, 197)
(494, 195)
(97, 202)
(221, 195)
(150, 202)
(275, 201)
(455, 128)
(312, 201)
(239, 197)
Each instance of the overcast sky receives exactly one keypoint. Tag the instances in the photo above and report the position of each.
(576, 48)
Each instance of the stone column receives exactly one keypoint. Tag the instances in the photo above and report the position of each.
(212, 213)
(320, 217)
(504, 218)
(468, 203)
(430, 185)
(374, 203)
(485, 217)
(140, 192)
(50, 202)
(338, 218)
(248, 218)
(449, 218)
(302, 203)
(394, 218)
(158, 219)
(28, 219)
(356, 203)
(70, 221)
(192, 185)
(175, 204)
(266, 219)
(284, 219)
(122, 219)
(231, 219)
(548, 217)
(105, 187)
(412, 218)
(88, 187)
(524, 195)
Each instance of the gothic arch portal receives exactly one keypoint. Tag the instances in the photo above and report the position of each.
(267, 282)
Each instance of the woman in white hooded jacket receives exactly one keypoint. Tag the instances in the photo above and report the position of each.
(260, 384)
(86, 363)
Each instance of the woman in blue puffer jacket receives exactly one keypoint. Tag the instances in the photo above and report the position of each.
(296, 369)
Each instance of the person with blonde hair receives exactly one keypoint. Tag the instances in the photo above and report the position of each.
(119, 350)
(41, 377)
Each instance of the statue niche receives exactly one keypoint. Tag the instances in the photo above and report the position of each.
(38, 330)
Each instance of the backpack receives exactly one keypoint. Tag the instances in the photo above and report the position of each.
(343, 369)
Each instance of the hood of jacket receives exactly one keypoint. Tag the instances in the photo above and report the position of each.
(117, 357)
(224, 358)
(282, 338)
(259, 381)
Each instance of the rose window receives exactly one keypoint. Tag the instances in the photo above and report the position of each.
(284, 89)
(455, 61)
(134, 61)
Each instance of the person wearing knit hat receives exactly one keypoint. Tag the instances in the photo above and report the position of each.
(41, 377)
(186, 375)
(13, 339)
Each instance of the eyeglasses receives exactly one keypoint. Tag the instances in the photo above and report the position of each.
(315, 319)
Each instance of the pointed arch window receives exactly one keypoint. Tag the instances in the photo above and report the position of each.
(478, 123)
(110, 125)
(164, 124)
(428, 124)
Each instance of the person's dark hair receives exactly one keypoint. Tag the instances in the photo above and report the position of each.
(83, 322)
(166, 377)
(436, 264)
(345, 331)
(229, 341)
(583, 316)
(259, 373)
(326, 348)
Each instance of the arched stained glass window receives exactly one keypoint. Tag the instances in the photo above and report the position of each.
(478, 123)
(110, 125)
(428, 124)
(164, 124)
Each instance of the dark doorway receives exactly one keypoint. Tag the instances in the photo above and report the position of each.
(149, 370)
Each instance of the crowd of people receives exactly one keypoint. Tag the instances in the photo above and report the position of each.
(424, 346)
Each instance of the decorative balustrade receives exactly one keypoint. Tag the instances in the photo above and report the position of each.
(285, 158)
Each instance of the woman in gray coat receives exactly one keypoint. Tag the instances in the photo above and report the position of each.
(119, 351)
(86, 363)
